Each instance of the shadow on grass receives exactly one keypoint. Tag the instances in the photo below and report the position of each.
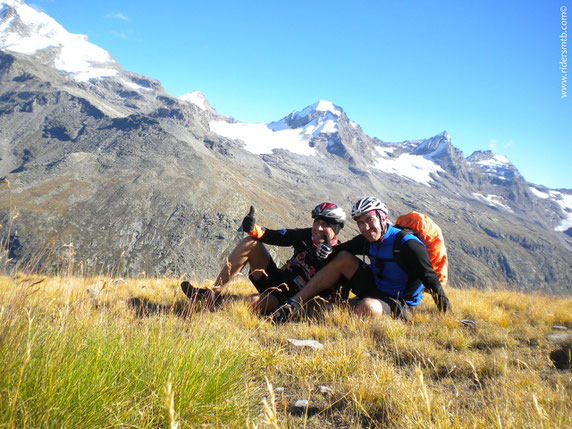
(144, 307)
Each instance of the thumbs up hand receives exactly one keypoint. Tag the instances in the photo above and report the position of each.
(248, 222)
(324, 249)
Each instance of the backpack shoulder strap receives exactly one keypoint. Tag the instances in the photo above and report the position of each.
(397, 244)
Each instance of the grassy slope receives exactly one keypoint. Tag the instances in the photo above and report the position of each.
(71, 358)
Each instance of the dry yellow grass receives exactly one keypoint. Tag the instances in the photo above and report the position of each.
(432, 371)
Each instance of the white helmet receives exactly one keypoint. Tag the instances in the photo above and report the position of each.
(367, 204)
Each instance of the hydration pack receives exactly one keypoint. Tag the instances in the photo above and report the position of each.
(432, 237)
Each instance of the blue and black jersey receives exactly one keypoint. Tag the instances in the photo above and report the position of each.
(404, 279)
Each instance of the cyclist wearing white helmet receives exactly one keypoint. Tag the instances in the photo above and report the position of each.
(383, 284)
(312, 247)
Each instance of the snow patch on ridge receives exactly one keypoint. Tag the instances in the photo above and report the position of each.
(563, 200)
(384, 151)
(538, 193)
(260, 138)
(319, 126)
(414, 167)
(565, 203)
(134, 86)
(496, 165)
(493, 200)
(498, 161)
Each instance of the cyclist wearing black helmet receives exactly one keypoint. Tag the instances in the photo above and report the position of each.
(312, 246)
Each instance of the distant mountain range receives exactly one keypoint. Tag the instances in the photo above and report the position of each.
(139, 181)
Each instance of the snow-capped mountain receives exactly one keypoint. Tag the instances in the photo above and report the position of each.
(105, 159)
(83, 68)
(27, 31)
(321, 129)
(198, 99)
(318, 118)
(497, 167)
(419, 168)
(296, 132)
(562, 198)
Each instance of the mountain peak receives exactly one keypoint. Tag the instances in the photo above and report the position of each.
(317, 108)
(26, 31)
(445, 135)
(315, 116)
(481, 156)
(434, 146)
(198, 99)
(496, 165)
(294, 132)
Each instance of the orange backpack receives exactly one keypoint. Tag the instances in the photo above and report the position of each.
(431, 236)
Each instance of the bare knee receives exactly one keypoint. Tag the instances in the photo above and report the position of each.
(369, 307)
(263, 303)
(252, 300)
(248, 243)
(251, 251)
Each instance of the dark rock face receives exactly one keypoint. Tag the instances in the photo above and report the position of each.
(136, 182)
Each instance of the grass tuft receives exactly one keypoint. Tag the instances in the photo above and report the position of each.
(104, 352)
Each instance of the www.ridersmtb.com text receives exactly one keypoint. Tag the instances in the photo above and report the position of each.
(564, 49)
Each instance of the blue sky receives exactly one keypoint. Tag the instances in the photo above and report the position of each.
(487, 72)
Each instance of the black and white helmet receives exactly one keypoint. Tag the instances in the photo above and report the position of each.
(330, 213)
(367, 204)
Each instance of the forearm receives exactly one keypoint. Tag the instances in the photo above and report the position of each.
(419, 265)
(283, 237)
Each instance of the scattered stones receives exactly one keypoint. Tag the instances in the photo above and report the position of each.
(559, 338)
(559, 328)
(302, 407)
(301, 403)
(468, 322)
(306, 343)
(325, 390)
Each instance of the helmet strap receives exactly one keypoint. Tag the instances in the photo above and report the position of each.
(384, 221)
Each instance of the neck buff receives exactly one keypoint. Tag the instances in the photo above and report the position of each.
(334, 242)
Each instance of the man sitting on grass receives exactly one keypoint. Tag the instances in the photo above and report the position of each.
(312, 246)
(383, 286)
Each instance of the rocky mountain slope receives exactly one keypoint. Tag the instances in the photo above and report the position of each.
(138, 181)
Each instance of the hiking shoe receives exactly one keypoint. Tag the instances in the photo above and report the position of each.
(287, 311)
(199, 294)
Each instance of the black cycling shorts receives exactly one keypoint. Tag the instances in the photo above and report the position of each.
(362, 284)
(274, 282)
